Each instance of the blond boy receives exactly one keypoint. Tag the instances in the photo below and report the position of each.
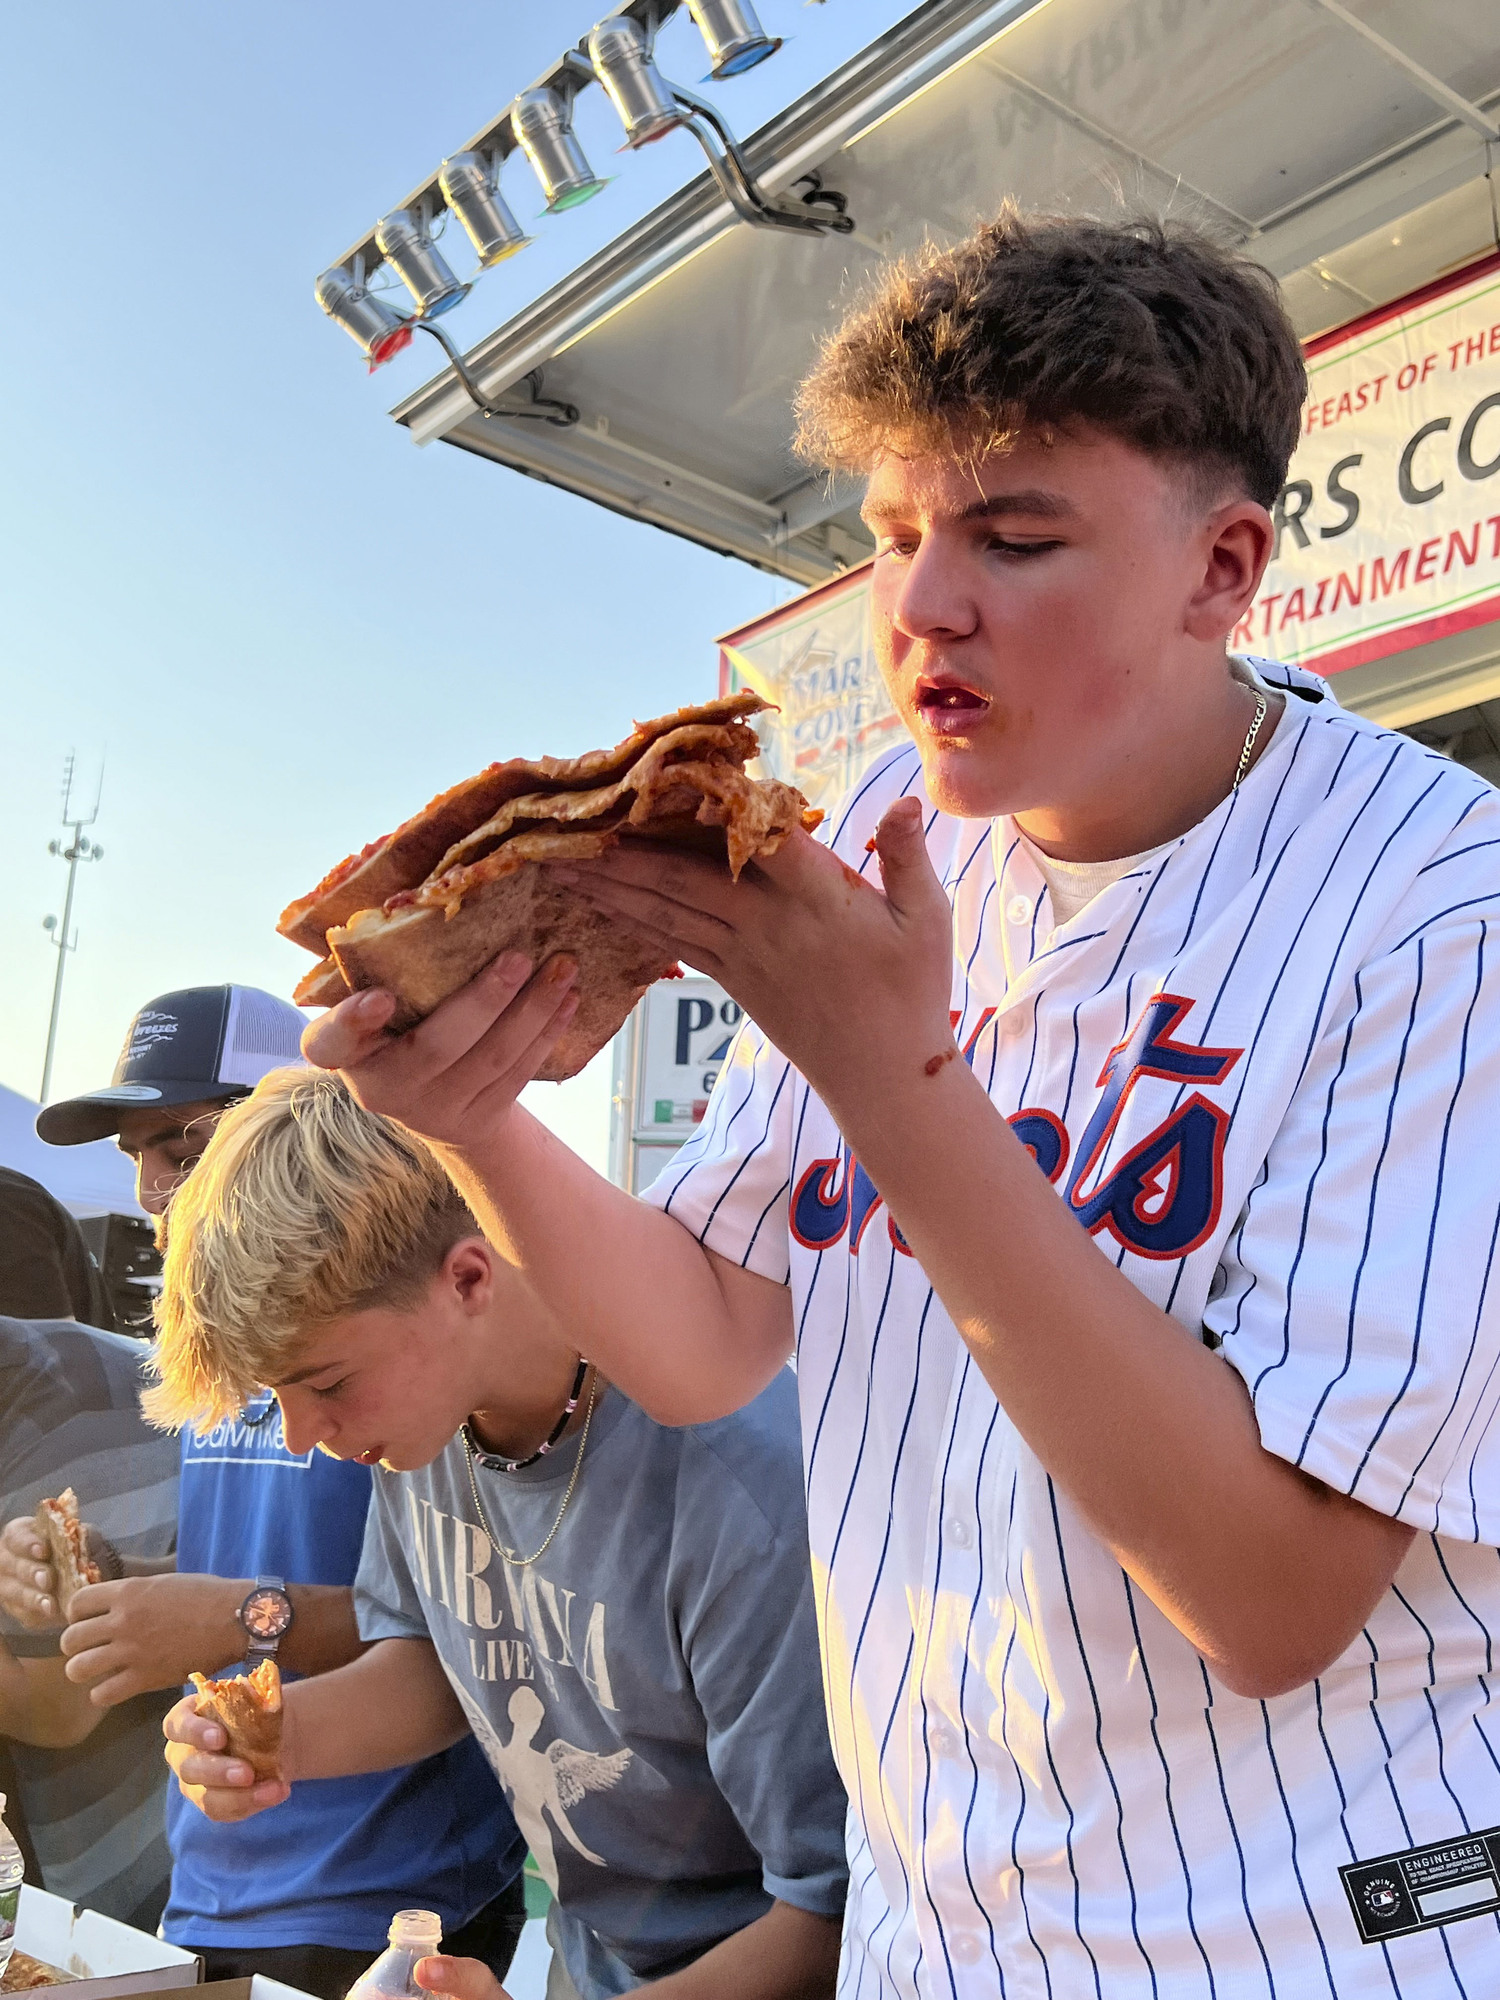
(622, 1614)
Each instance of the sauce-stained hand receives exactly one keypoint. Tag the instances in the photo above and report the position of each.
(459, 1071)
(849, 976)
(223, 1788)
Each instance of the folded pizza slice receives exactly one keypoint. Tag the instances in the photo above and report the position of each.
(684, 786)
(249, 1708)
(402, 859)
(58, 1521)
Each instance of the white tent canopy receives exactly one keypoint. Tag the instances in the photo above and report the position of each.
(96, 1179)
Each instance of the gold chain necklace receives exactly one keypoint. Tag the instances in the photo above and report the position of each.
(509, 1555)
(1261, 706)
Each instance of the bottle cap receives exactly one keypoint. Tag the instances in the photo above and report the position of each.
(422, 1928)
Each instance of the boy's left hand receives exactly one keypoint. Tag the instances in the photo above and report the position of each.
(463, 1978)
(850, 984)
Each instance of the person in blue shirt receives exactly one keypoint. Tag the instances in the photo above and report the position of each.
(268, 1544)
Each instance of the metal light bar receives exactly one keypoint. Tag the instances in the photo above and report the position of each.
(496, 140)
(618, 54)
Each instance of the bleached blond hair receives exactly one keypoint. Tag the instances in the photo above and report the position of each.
(304, 1207)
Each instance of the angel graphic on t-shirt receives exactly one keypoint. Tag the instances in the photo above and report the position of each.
(543, 1784)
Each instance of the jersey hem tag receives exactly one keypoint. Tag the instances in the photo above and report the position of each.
(1419, 1888)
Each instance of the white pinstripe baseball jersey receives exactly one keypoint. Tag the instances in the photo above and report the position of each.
(1263, 1070)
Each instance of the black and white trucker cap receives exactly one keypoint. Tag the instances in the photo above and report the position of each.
(203, 1045)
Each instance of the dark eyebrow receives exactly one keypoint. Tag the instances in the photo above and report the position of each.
(161, 1138)
(1034, 502)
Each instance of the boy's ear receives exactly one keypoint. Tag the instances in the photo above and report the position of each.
(1237, 546)
(469, 1269)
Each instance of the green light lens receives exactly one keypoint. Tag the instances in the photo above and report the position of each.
(573, 197)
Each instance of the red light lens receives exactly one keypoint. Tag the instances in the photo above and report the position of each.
(387, 345)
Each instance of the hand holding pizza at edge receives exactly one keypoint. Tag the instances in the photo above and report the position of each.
(28, 1588)
(223, 1787)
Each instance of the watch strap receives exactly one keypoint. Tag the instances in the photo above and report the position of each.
(111, 1561)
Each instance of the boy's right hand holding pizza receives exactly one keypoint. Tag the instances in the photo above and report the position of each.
(462, 1068)
(222, 1787)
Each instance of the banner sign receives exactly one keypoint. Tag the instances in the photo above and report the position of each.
(814, 659)
(1388, 529)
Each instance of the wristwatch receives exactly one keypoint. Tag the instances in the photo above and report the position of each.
(266, 1615)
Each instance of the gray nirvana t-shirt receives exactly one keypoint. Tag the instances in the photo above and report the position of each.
(649, 1692)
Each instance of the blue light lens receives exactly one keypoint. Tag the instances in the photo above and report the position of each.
(747, 59)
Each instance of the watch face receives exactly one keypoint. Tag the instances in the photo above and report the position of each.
(266, 1614)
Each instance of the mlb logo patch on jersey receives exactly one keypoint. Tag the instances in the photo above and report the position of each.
(1420, 1887)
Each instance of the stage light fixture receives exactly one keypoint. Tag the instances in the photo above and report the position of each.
(470, 190)
(380, 332)
(735, 39)
(623, 63)
(402, 239)
(543, 124)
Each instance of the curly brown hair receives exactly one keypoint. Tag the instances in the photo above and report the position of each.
(1146, 330)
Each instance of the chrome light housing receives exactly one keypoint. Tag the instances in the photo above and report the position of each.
(470, 191)
(543, 125)
(403, 241)
(623, 63)
(735, 39)
(365, 318)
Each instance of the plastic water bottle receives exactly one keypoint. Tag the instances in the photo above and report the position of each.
(12, 1869)
(413, 1934)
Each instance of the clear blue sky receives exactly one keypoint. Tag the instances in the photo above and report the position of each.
(222, 564)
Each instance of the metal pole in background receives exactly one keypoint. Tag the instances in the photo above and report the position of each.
(79, 848)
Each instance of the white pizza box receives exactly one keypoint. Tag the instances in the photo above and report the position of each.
(105, 1957)
(258, 1987)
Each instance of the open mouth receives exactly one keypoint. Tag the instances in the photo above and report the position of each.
(949, 707)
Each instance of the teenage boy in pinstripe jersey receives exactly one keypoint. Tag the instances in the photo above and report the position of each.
(1114, 1143)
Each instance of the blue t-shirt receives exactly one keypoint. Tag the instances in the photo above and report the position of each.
(334, 1863)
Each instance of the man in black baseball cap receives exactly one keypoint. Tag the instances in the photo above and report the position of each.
(202, 1046)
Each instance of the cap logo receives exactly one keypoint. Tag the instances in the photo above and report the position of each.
(125, 1093)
